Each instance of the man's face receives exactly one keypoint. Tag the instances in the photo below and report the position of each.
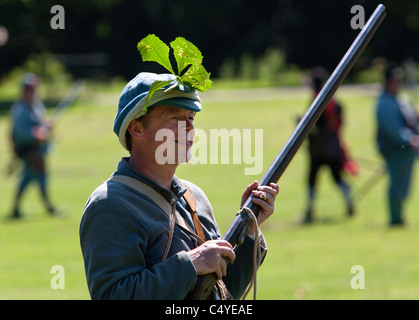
(394, 85)
(169, 133)
(29, 92)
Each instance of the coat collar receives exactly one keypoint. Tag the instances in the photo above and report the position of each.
(176, 191)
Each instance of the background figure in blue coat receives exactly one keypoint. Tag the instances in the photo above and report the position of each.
(398, 141)
(30, 135)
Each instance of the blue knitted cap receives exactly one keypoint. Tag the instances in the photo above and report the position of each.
(134, 95)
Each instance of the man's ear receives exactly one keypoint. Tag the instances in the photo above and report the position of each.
(136, 129)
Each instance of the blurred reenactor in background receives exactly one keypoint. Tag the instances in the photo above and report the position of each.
(398, 141)
(326, 148)
(30, 135)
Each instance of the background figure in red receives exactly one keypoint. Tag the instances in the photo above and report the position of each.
(325, 148)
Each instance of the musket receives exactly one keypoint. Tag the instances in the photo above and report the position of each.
(238, 229)
(71, 96)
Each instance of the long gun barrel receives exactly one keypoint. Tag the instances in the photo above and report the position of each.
(239, 227)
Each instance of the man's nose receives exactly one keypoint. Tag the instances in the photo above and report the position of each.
(189, 124)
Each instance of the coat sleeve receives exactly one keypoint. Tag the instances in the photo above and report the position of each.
(113, 245)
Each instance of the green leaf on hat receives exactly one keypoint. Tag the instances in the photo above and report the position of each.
(185, 53)
(153, 49)
(197, 77)
(188, 58)
(155, 86)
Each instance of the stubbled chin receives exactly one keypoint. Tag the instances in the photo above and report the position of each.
(188, 144)
(185, 150)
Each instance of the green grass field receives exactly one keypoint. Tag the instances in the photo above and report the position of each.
(304, 262)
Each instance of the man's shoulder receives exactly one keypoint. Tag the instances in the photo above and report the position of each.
(386, 99)
(196, 191)
(18, 109)
(103, 196)
(113, 192)
(119, 197)
(203, 204)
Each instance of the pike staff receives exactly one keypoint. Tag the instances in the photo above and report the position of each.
(71, 96)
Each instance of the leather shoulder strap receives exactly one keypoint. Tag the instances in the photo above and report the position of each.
(190, 199)
(145, 190)
(156, 197)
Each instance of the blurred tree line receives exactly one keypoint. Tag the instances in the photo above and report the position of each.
(100, 36)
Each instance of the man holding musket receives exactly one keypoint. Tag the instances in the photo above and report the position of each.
(146, 234)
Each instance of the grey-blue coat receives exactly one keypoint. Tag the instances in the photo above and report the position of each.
(123, 235)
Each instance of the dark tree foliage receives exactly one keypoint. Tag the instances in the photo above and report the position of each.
(310, 32)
